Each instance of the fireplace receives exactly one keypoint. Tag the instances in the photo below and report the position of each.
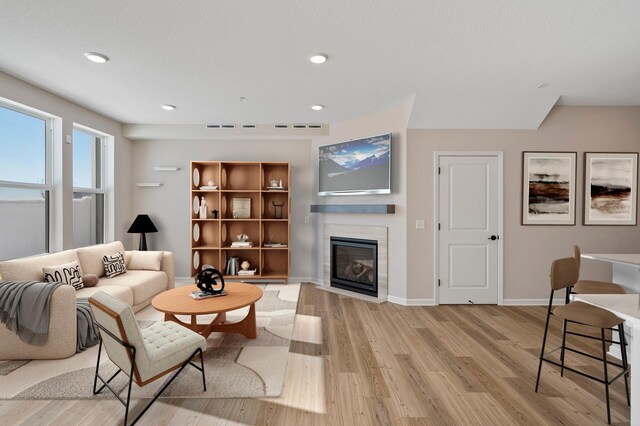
(354, 265)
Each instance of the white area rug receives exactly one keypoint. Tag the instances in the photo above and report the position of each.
(235, 366)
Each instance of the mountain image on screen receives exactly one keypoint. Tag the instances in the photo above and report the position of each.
(356, 166)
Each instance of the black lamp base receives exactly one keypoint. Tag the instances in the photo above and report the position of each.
(143, 242)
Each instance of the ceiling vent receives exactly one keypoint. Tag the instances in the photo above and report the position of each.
(299, 126)
(228, 126)
(213, 126)
(315, 126)
(281, 126)
(248, 126)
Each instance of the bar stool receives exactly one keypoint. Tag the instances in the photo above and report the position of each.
(564, 275)
(594, 287)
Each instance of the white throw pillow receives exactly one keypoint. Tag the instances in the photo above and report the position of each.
(68, 273)
(146, 260)
(114, 265)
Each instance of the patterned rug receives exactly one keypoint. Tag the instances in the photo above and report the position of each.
(235, 366)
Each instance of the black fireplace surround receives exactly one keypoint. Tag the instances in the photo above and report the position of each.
(354, 265)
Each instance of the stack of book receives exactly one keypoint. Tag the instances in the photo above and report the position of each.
(199, 295)
(247, 272)
(276, 188)
(272, 244)
(233, 265)
(242, 244)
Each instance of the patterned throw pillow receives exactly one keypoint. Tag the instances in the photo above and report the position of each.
(69, 273)
(114, 264)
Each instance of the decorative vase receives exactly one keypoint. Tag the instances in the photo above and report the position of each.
(245, 265)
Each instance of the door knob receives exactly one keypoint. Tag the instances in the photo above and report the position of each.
(493, 238)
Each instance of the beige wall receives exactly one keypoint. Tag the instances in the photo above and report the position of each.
(528, 250)
(26, 94)
(393, 120)
(169, 205)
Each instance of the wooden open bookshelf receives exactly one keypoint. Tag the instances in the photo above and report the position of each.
(211, 238)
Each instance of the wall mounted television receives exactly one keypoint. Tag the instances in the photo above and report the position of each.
(356, 167)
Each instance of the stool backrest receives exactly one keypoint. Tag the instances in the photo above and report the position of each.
(118, 319)
(576, 254)
(564, 273)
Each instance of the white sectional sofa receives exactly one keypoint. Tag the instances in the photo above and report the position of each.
(135, 287)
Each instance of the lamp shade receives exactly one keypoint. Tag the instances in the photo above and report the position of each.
(142, 224)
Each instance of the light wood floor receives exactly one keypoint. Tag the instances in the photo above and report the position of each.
(358, 363)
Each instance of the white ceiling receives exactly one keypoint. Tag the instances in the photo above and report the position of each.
(471, 64)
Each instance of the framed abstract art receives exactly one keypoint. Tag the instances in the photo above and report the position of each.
(610, 188)
(549, 188)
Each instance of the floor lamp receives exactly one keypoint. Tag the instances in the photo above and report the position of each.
(142, 225)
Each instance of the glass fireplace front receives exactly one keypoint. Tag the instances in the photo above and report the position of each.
(354, 265)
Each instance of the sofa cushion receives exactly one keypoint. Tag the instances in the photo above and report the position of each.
(91, 257)
(145, 260)
(30, 268)
(67, 273)
(142, 284)
(114, 264)
(90, 280)
(119, 292)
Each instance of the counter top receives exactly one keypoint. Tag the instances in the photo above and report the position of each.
(620, 259)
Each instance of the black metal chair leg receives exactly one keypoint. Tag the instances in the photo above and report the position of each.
(204, 381)
(164, 387)
(544, 341)
(625, 362)
(606, 375)
(564, 339)
(95, 378)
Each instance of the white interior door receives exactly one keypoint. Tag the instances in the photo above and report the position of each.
(468, 236)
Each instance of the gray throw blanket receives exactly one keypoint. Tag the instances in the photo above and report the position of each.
(24, 309)
(88, 333)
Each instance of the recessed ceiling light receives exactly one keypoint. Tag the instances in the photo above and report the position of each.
(98, 58)
(542, 85)
(168, 107)
(317, 107)
(318, 58)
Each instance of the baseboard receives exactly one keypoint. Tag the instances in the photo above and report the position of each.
(299, 279)
(531, 302)
(411, 302)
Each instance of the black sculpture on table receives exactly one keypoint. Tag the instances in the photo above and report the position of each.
(206, 281)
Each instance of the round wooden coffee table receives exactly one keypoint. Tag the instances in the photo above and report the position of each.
(178, 301)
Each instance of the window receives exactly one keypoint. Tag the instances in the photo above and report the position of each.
(25, 182)
(88, 187)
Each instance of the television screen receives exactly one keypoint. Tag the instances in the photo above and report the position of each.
(361, 166)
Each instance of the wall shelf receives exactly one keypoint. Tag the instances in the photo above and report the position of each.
(148, 184)
(354, 208)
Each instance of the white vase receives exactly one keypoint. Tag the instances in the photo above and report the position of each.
(245, 265)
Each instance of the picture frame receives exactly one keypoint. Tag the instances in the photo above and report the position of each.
(549, 188)
(610, 188)
(242, 208)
